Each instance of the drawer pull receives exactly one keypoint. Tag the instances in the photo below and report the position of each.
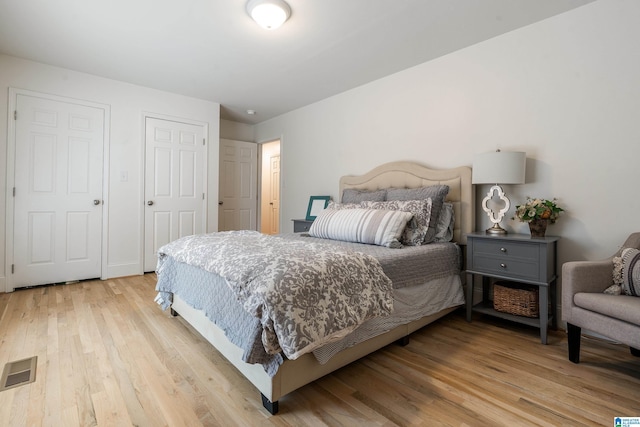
(503, 249)
(503, 265)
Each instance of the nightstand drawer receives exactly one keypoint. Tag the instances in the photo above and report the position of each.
(501, 266)
(507, 250)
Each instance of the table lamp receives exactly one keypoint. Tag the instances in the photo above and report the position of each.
(499, 167)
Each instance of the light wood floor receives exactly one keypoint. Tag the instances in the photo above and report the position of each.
(108, 356)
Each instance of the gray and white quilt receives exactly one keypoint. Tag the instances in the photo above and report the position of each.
(305, 293)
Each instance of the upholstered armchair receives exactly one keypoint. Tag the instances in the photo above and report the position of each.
(584, 305)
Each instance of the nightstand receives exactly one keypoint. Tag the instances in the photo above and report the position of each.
(301, 225)
(518, 258)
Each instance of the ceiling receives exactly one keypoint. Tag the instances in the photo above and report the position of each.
(211, 49)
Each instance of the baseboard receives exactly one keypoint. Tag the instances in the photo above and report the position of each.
(121, 270)
(3, 284)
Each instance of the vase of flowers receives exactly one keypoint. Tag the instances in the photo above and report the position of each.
(538, 213)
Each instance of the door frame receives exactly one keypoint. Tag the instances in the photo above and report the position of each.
(143, 158)
(260, 184)
(259, 173)
(11, 163)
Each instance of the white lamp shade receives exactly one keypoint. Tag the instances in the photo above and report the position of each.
(499, 167)
(269, 14)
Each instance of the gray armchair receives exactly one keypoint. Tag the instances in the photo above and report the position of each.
(584, 305)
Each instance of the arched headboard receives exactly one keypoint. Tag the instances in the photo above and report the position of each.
(414, 175)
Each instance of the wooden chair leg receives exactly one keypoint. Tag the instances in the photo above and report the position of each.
(573, 335)
(635, 351)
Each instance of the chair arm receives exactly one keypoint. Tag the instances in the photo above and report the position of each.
(585, 276)
(633, 241)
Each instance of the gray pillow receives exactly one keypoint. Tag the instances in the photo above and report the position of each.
(444, 229)
(352, 195)
(437, 193)
(336, 206)
(417, 228)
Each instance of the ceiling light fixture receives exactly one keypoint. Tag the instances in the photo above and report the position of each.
(269, 14)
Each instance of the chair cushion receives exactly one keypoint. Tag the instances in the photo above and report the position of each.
(621, 307)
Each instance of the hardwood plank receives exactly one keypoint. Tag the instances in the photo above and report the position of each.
(107, 355)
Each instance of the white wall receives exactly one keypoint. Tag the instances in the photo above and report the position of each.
(565, 90)
(236, 131)
(127, 103)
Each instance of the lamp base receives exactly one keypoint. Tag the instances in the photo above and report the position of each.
(496, 229)
(496, 217)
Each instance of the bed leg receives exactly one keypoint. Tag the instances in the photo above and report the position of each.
(270, 406)
(403, 341)
(173, 312)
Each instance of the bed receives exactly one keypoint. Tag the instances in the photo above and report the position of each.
(288, 375)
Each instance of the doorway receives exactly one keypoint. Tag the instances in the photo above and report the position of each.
(270, 187)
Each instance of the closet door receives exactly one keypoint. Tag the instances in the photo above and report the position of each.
(58, 191)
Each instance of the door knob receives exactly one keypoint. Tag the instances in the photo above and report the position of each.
(96, 202)
(150, 203)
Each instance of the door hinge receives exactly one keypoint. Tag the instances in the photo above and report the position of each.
(15, 114)
(14, 191)
(202, 196)
(13, 268)
(203, 141)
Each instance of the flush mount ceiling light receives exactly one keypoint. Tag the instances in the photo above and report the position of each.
(269, 14)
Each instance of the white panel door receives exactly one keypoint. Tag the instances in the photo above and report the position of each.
(58, 191)
(274, 203)
(238, 185)
(174, 184)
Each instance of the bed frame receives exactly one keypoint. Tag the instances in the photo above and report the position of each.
(294, 374)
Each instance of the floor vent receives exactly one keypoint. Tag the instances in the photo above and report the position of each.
(18, 373)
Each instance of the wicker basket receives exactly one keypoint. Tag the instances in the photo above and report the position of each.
(515, 298)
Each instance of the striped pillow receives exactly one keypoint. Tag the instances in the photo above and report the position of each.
(371, 226)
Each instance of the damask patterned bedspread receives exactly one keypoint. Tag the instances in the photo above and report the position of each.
(408, 266)
(305, 293)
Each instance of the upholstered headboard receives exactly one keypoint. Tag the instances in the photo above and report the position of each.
(414, 175)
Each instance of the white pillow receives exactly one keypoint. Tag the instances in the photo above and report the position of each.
(371, 226)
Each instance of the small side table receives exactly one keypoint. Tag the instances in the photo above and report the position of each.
(301, 225)
(514, 257)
